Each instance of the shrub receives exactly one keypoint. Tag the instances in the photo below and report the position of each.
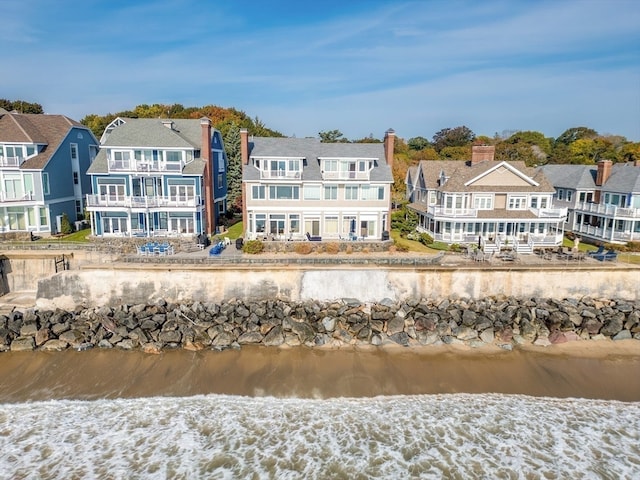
(303, 248)
(633, 247)
(454, 247)
(332, 247)
(253, 247)
(349, 249)
(425, 239)
(65, 225)
(401, 248)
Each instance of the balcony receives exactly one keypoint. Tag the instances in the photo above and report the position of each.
(607, 210)
(16, 196)
(280, 175)
(11, 162)
(103, 201)
(607, 235)
(549, 212)
(452, 212)
(345, 175)
(144, 166)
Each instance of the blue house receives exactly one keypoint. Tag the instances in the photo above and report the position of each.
(157, 177)
(43, 165)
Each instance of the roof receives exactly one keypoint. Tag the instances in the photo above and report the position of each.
(312, 149)
(624, 178)
(154, 134)
(32, 128)
(459, 173)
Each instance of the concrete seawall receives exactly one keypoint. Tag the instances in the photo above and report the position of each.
(119, 284)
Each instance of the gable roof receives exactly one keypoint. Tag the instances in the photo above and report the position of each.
(624, 178)
(462, 176)
(312, 150)
(33, 128)
(151, 133)
(577, 177)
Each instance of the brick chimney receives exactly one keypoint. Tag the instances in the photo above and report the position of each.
(482, 153)
(389, 141)
(603, 172)
(244, 160)
(206, 155)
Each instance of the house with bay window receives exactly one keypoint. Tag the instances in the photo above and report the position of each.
(603, 200)
(301, 188)
(156, 177)
(43, 165)
(487, 202)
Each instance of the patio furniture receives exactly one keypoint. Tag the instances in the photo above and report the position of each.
(313, 238)
(609, 256)
(216, 249)
(600, 251)
(239, 243)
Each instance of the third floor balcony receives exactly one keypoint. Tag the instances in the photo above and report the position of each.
(128, 201)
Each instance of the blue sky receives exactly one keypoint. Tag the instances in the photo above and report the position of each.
(357, 66)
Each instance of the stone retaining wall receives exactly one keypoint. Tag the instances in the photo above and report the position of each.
(503, 321)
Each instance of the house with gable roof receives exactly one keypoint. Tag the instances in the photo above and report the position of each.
(43, 164)
(157, 177)
(302, 188)
(493, 203)
(603, 200)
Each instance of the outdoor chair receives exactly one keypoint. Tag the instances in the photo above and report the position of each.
(610, 256)
(600, 251)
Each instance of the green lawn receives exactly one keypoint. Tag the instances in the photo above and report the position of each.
(410, 245)
(75, 237)
(235, 231)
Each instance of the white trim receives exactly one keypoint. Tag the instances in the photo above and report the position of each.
(508, 167)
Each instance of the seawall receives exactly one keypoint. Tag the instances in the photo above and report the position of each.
(125, 283)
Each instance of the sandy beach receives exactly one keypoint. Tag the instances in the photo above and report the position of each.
(604, 370)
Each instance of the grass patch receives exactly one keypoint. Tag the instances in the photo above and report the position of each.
(234, 231)
(410, 245)
(81, 236)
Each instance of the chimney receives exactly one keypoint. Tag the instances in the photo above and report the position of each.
(603, 172)
(206, 155)
(389, 141)
(482, 153)
(168, 123)
(244, 160)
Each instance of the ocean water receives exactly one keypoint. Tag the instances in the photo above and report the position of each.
(459, 436)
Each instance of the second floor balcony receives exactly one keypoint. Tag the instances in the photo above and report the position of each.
(144, 166)
(16, 196)
(605, 210)
(11, 162)
(345, 175)
(281, 174)
(128, 201)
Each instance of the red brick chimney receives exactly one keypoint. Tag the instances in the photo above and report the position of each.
(389, 142)
(244, 160)
(206, 155)
(482, 153)
(604, 171)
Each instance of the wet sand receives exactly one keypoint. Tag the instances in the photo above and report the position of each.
(605, 370)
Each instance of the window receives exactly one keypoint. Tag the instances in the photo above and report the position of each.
(31, 150)
(560, 194)
(349, 225)
(312, 192)
(75, 178)
(294, 223)
(483, 202)
(173, 156)
(372, 192)
(331, 225)
(79, 214)
(13, 187)
(74, 151)
(534, 202)
(220, 181)
(582, 196)
(45, 183)
(221, 207)
(330, 192)
(220, 160)
(258, 192)
(517, 203)
(284, 192)
(569, 195)
(43, 217)
(351, 192)
(330, 165)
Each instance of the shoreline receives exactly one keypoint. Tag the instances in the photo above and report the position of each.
(607, 370)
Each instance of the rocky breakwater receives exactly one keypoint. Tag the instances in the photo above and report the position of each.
(503, 321)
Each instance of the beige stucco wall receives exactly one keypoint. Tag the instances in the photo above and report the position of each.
(122, 284)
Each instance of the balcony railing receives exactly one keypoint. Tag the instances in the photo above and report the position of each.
(280, 174)
(606, 234)
(452, 212)
(549, 212)
(345, 175)
(607, 210)
(143, 202)
(16, 197)
(144, 166)
(11, 161)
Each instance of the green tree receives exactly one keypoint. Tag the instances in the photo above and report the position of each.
(522, 152)
(20, 106)
(532, 138)
(455, 153)
(332, 136)
(418, 143)
(65, 225)
(453, 137)
(234, 170)
(576, 133)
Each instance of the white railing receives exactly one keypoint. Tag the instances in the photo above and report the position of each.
(13, 197)
(11, 161)
(549, 212)
(452, 212)
(345, 175)
(607, 210)
(606, 234)
(143, 202)
(283, 174)
(142, 166)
